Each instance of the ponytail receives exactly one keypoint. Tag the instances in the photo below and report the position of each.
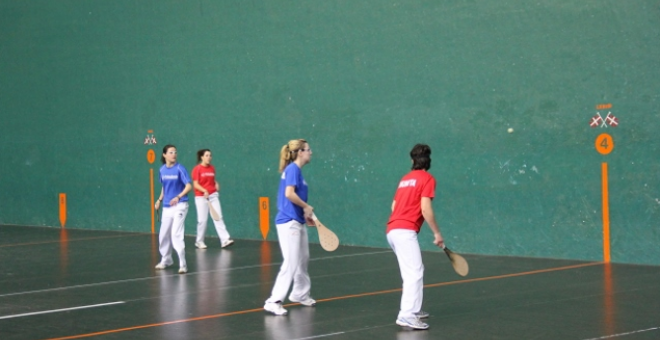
(289, 152)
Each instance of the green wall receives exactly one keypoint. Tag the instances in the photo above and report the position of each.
(81, 82)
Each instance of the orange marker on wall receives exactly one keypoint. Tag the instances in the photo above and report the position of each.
(606, 214)
(63, 210)
(264, 216)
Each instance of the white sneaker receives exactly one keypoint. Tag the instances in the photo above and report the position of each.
(275, 308)
(183, 270)
(162, 265)
(422, 314)
(413, 323)
(227, 243)
(200, 245)
(309, 302)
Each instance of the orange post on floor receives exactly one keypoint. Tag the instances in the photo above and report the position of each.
(63, 210)
(606, 215)
(264, 214)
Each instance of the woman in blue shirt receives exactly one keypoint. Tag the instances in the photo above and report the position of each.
(292, 213)
(176, 185)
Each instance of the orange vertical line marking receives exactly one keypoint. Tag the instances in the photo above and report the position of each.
(266, 276)
(64, 251)
(606, 215)
(151, 183)
(264, 214)
(63, 209)
(609, 301)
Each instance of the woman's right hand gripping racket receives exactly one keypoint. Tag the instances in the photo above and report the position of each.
(329, 241)
(458, 262)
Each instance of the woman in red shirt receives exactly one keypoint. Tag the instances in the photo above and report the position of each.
(410, 208)
(206, 189)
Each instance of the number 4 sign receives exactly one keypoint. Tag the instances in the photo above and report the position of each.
(604, 144)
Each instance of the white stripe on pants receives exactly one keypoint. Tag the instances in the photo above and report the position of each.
(406, 247)
(294, 244)
(203, 216)
(172, 232)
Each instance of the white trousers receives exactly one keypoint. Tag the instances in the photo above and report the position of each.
(172, 232)
(294, 244)
(406, 247)
(203, 216)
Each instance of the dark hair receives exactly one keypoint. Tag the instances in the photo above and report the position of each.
(421, 156)
(165, 148)
(201, 153)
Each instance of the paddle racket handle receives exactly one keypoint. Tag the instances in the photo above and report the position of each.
(448, 252)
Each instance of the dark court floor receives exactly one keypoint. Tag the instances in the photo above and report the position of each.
(80, 284)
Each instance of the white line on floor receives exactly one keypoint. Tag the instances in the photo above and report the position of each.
(320, 336)
(624, 334)
(189, 274)
(60, 310)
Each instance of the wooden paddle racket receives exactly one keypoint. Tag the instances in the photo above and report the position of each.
(329, 241)
(458, 262)
(214, 214)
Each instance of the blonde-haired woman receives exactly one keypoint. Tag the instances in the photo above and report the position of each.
(292, 213)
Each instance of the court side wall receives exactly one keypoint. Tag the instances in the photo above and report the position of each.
(82, 83)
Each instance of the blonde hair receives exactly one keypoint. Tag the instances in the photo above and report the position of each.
(289, 152)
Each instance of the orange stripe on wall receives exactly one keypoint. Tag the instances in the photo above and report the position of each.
(151, 182)
(264, 213)
(63, 210)
(606, 215)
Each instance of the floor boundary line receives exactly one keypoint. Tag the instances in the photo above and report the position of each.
(60, 241)
(61, 310)
(387, 291)
(624, 334)
(87, 285)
